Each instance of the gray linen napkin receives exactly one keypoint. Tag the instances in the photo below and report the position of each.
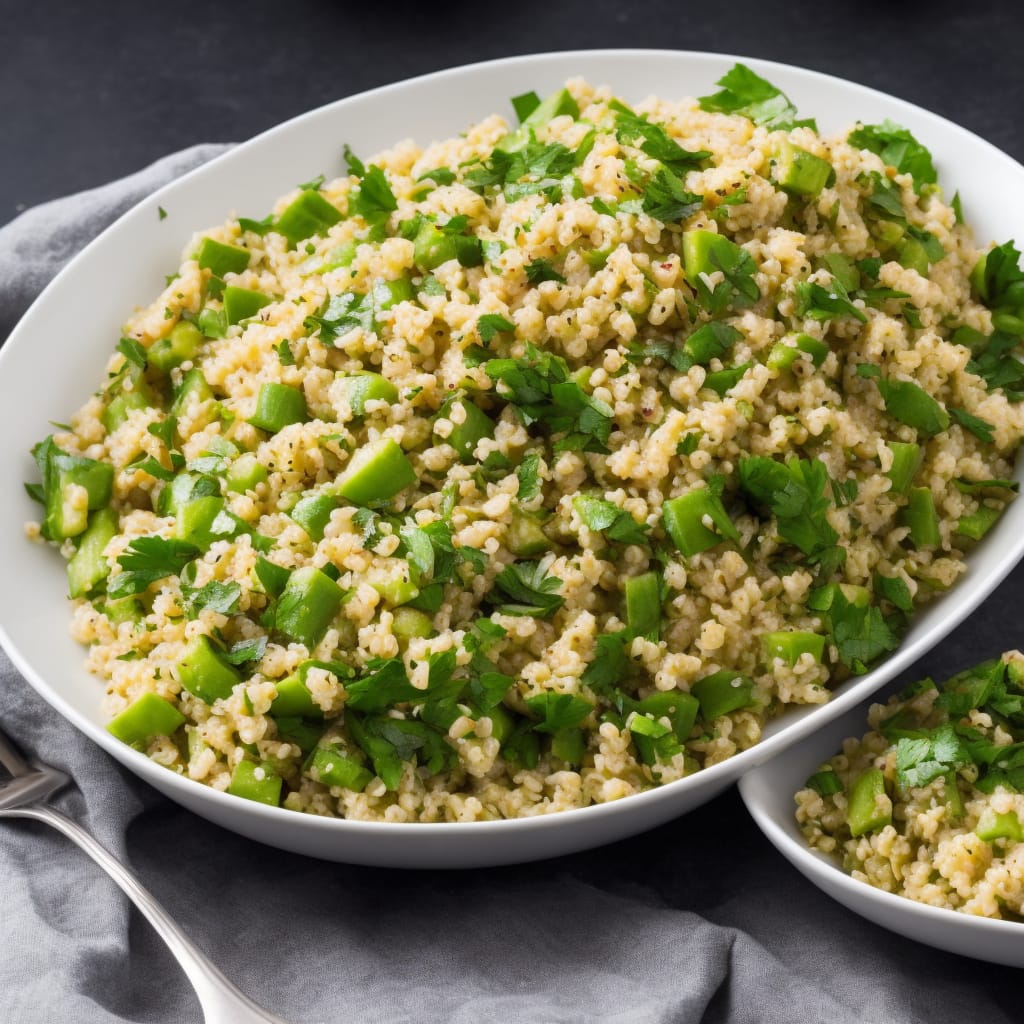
(697, 920)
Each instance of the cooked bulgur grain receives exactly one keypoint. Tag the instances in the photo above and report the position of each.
(534, 468)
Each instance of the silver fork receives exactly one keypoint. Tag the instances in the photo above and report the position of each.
(22, 796)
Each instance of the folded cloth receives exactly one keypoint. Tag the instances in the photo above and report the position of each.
(697, 920)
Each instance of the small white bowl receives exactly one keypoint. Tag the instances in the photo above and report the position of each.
(769, 791)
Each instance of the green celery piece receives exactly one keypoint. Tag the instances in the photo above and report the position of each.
(278, 406)
(376, 472)
(308, 215)
(867, 811)
(643, 605)
(682, 518)
(242, 303)
(307, 605)
(789, 645)
(798, 172)
(722, 692)
(333, 768)
(257, 782)
(147, 716)
(87, 566)
(220, 258)
(204, 673)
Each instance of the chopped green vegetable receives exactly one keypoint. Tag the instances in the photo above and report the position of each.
(746, 92)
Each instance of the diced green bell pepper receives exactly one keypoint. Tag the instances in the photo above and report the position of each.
(220, 258)
(465, 436)
(376, 472)
(307, 605)
(722, 692)
(333, 768)
(257, 782)
(556, 105)
(995, 825)
(245, 473)
(785, 353)
(365, 386)
(75, 487)
(869, 809)
(906, 459)
(278, 406)
(789, 645)
(919, 514)
(643, 605)
(242, 303)
(196, 518)
(978, 523)
(526, 536)
(313, 512)
(798, 172)
(192, 384)
(204, 673)
(683, 519)
(180, 345)
(307, 215)
(87, 566)
(147, 716)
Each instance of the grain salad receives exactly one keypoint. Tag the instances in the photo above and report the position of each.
(929, 803)
(539, 466)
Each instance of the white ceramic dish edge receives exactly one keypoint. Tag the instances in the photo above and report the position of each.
(33, 622)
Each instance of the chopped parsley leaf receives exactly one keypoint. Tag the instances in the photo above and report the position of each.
(528, 472)
(898, 148)
(794, 493)
(531, 590)
(746, 92)
(541, 389)
(491, 324)
(541, 270)
(605, 516)
(980, 428)
(146, 560)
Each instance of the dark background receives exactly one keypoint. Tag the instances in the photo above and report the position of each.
(92, 91)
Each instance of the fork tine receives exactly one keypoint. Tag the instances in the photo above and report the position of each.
(10, 758)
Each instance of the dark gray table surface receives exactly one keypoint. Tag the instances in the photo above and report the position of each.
(92, 91)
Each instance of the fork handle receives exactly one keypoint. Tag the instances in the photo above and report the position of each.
(218, 997)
